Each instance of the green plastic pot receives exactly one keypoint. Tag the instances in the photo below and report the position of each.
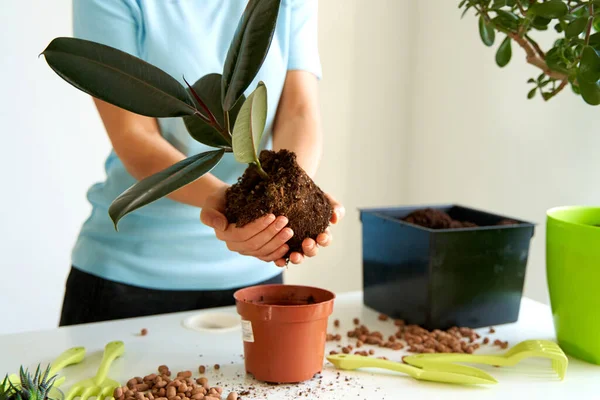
(573, 273)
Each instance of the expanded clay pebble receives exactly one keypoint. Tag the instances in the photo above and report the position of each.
(356, 321)
(336, 323)
(202, 369)
(144, 332)
(383, 317)
(420, 340)
(161, 387)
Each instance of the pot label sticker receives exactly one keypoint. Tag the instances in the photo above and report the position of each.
(247, 333)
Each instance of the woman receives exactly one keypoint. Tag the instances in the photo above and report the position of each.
(163, 259)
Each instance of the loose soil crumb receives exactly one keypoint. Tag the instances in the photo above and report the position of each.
(437, 219)
(288, 192)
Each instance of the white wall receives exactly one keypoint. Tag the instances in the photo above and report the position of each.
(53, 149)
(476, 139)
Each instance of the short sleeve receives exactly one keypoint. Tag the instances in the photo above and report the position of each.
(115, 23)
(304, 49)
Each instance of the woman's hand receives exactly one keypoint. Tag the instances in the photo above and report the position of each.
(310, 248)
(264, 238)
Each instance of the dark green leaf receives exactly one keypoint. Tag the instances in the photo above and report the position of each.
(590, 92)
(504, 52)
(118, 78)
(462, 3)
(532, 93)
(248, 49)
(531, 80)
(506, 19)
(162, 183)
(250, 126)
(576, 27)
(589, 67)
(541, 23)
(498, 4)
(208, 89)
(550, 9)
(467, 8)
(575, 89)
(595, 40)
(486, 32)
(558, 28)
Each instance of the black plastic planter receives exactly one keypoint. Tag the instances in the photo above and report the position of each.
(470, 277)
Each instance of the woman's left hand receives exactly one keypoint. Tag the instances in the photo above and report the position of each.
(310, 248)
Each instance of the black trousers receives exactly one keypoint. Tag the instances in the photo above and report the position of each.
(89, 298)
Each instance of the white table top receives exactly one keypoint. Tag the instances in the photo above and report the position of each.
(169, 342)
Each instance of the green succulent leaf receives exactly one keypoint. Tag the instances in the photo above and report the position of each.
(208, 88)
(590, 92)
(163, 183)
(250, 126)
(504, 53)
(248, 49)
(576, 27)
(118, 78)
(532, 93)
(589, 67)
(550, 9)
(486, 32)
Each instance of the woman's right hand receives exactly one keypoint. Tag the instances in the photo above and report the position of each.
(264, 238)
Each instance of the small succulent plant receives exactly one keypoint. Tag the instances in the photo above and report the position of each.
(36, 387)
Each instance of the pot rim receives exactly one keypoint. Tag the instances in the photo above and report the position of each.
(551, 215)
(237, 293)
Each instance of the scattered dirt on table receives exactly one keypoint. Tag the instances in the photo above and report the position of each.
(437, 219)
(288, 191)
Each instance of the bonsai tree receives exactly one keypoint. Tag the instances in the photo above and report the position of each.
(29, 388)
(573, 58)
(216, 113)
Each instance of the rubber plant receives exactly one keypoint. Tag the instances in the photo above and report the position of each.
(573, 59)
(216, 113)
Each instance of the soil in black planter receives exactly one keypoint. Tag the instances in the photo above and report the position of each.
(437, 219)
(288, 191)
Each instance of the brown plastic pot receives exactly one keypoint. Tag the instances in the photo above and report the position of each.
(284, 331)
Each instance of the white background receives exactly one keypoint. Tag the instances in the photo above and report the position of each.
(415, 112)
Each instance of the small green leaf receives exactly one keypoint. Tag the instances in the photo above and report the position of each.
(250, 126)
(248, 49)
(162, 183)
(575, 89)
(486, 32)
(550, 9)
(576, 27)
(596, 24)
(590, 92)
(589, 67)
(531, 80)
(504, 53)
(118, 78)
(462, 3)
(532, 93)
(555, 60)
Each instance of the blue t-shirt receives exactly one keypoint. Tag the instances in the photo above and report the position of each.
(164, 245)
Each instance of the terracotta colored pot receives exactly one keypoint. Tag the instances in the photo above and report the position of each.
(284, 330)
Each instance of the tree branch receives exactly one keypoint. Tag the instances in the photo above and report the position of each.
(536, 46)
(534, 59)
(521, 7)
(589, 25)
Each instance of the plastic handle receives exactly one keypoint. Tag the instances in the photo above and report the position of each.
(351, 361)
(112, 351)
(71, 356)
(420, 360)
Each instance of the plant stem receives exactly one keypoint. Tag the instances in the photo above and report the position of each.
(227, 125)
(536, 46)
(521, 7)
(555, 91)
(589, 25)
(261, 171)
